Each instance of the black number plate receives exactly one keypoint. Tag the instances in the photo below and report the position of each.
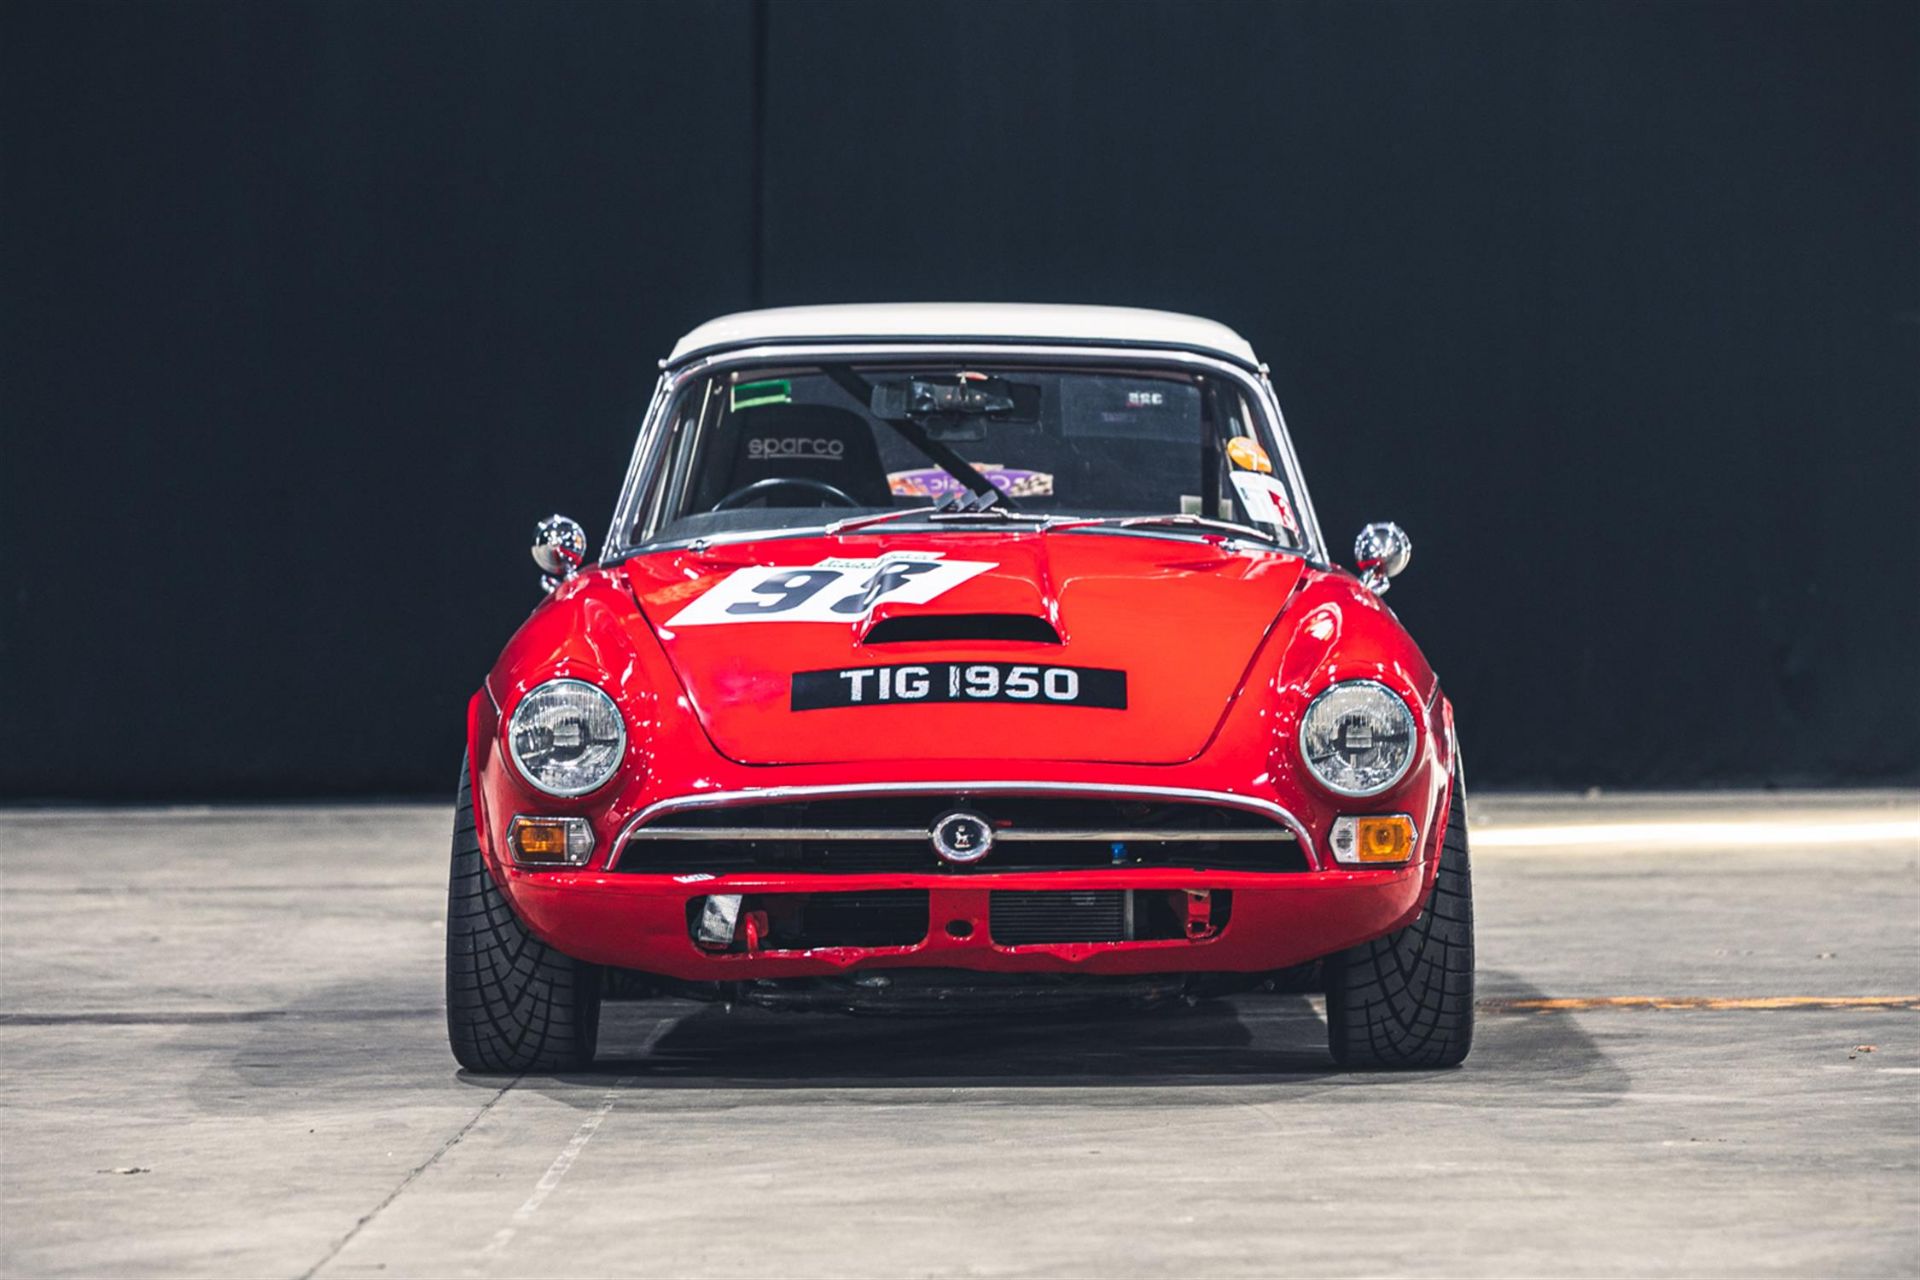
(960, 682)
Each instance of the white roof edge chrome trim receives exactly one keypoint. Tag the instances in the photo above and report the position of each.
(991, 322)
(1029, 787)
(646, 457)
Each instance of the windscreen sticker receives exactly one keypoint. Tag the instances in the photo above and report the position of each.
(772, 391)
(1265, 499)
(1130, 409)
(1245, 452)
(837, 589)
(933, 482)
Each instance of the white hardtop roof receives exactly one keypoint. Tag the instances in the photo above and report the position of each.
(991, 321)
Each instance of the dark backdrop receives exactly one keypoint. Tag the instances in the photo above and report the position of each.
(312, 309)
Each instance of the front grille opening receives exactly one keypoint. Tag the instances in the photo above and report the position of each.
(1019, 917)
(1031, 917)
(962, 626)
(804, 921)
(1158, 914)
(757, 837)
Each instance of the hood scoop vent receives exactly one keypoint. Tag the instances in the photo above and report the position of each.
(902, 629)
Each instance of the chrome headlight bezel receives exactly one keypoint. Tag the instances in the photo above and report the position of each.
(532, 703)
(1394, 706)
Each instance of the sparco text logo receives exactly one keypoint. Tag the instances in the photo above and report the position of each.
(795, 447)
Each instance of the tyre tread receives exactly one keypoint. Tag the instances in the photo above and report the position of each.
(514, 1004)
(1405, 1000)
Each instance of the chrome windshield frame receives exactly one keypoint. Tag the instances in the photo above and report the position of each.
(649, 452)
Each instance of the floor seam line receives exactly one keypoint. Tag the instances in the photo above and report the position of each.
(556, 1172)
(563, 1163)
(408, 1181)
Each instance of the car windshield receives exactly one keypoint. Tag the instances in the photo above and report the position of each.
(789, 447)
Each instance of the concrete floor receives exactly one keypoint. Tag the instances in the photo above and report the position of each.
(224, 1056)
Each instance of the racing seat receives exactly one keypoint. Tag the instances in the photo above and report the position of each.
(807, 441)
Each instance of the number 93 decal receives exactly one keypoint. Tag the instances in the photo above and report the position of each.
(834, 590)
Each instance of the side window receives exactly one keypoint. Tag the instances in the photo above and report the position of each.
(686, 437)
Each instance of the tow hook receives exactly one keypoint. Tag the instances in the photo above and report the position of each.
(1199, 904)
(722, 921)
(754, 925)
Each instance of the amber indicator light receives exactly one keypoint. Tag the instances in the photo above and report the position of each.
(537, 841)
(1387, 839)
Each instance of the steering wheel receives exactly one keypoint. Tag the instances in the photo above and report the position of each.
(759, 488)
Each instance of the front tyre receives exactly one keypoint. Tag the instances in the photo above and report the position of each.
(513, 1003)
(1406, 1000)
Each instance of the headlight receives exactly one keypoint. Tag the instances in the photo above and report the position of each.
(567, 737)
(1357, 737)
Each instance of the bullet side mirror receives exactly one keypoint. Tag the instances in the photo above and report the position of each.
(1380, 553)
(559, 548)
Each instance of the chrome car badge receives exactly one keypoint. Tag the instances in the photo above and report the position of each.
(961, 837)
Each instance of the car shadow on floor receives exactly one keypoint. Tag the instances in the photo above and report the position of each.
(1283, 1037)
(1275, 1039)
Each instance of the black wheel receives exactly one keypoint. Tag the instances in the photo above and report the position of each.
(1406, 1000)
(513, 1003)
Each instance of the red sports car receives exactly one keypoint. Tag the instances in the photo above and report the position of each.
(941, 654)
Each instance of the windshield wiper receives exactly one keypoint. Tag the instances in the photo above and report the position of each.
(1181, 521)
(1002, 514)
(861, 522)
(944, 513)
